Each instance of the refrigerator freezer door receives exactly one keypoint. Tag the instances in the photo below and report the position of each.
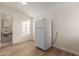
(40, 38)
(40, 23)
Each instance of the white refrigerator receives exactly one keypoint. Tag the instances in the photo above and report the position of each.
(43, 33)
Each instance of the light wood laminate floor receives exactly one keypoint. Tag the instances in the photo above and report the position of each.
(28, 48)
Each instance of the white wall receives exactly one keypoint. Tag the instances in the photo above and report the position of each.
(0, 28)
(18, 18)
(66, 23)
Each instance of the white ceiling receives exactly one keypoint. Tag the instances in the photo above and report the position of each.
(35, 9)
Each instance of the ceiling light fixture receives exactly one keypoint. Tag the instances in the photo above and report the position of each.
(24, 3)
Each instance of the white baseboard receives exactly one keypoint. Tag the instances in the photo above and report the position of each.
(65, 49)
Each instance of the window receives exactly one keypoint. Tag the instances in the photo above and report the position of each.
(26, 27)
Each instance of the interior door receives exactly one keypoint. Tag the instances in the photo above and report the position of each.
(6, 30)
